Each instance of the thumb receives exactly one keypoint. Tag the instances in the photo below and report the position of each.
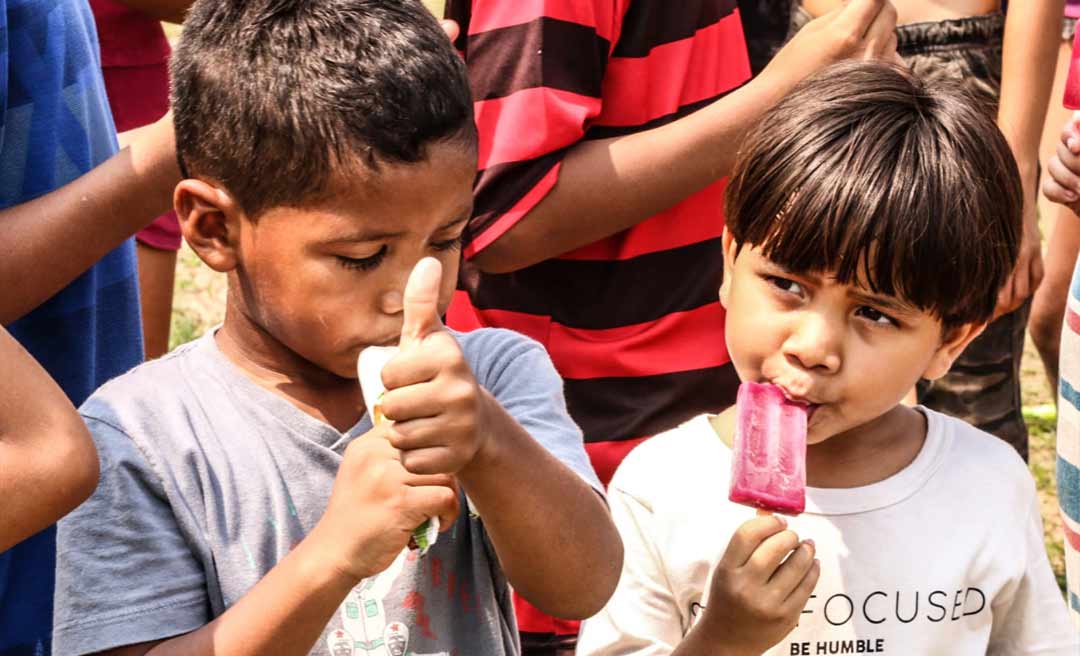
(452, 29)
(421, 302)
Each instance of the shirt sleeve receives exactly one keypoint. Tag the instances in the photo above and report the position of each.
(1030, 617)
(519, 374)
(536, 68)
(125, 573)
(642, 617)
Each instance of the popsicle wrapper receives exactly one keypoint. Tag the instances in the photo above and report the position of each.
(369, 369)
(768, 468)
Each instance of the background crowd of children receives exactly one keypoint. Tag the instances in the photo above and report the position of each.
(605, 131)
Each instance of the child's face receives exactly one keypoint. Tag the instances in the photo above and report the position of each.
(326, 281)
(851, 354)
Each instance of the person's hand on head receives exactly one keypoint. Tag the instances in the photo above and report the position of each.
(1062, 182)
(860, 29)
(431, 394)
(759, 588)
(452, 29)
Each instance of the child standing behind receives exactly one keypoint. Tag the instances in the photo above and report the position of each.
(246, 504)
(843, 287)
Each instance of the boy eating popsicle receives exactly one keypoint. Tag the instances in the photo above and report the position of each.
(246, 504)
(872, 219)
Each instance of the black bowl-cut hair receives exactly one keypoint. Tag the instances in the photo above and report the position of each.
(903, 185)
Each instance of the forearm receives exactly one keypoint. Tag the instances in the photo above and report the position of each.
(1032, 39)
(75, 226)
(552, 532)
(285, 613)
(171, 11)
(607, 186)
(42, 439)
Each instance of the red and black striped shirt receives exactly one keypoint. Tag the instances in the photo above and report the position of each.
(632, 322)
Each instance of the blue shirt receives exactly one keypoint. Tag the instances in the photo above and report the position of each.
(55, 125)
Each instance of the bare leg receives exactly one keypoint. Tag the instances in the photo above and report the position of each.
(1048, 307)
(157, 271)
(1063, 229)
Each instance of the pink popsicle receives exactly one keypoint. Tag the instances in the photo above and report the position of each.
(768, 468)
(1072, 82)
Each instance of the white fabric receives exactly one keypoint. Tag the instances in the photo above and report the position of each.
(944, 558)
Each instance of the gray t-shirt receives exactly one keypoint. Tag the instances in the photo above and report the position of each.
(208, 480)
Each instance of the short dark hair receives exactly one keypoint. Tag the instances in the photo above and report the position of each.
(272, 97)
(869, 172)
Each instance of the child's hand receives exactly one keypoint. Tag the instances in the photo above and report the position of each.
(376, 504)
(1062, 185)
(756, 596)
(861, 29)
(432, 396)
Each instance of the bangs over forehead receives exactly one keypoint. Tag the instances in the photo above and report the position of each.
(882, 180)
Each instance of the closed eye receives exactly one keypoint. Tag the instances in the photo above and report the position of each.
(362, 263)
(450, 245)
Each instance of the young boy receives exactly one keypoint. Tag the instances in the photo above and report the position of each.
(246, 505)
(1007, 62)
(871, 221)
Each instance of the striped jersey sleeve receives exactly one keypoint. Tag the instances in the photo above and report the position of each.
(536, 68)
(1068, 442)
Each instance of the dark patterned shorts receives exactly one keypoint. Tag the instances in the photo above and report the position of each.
(983, 386)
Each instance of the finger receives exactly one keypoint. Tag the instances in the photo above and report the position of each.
(414, 402)
(433, 501)
(410, 367)
(798, 598)
(428, 480)
(858, 15)
(1065, 168)
(421, 302)
(432, 460)
(1056, 193)
(415, 434)
(748, 537)
(881, 33)
(773, 550)
(452, 29)
(793, 570)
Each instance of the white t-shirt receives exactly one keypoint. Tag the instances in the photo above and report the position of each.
(945, 558)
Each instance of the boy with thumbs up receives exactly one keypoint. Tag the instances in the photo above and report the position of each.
(247, 505)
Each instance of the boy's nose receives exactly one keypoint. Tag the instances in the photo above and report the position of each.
(816, 344)
(392, 302)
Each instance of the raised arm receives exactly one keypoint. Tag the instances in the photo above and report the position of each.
(608, 185)
(48, 464)
(1032, 37)
(74, 226)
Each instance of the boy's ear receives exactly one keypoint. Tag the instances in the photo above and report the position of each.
(210, 221)
(953, 343)
(728, 242)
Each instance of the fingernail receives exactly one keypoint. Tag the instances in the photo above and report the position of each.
(810, 543)
(783, 522)
(1071, 195)
(1074, 144)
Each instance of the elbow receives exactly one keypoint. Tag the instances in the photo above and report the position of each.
(595, 583)
(75, 464)
(495, 260)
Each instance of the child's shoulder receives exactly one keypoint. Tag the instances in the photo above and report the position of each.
(688, 460)
(981, 461)
(149, 386)
(491, 352)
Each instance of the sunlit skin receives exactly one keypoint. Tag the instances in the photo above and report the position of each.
(851, 355)
(310, 287)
